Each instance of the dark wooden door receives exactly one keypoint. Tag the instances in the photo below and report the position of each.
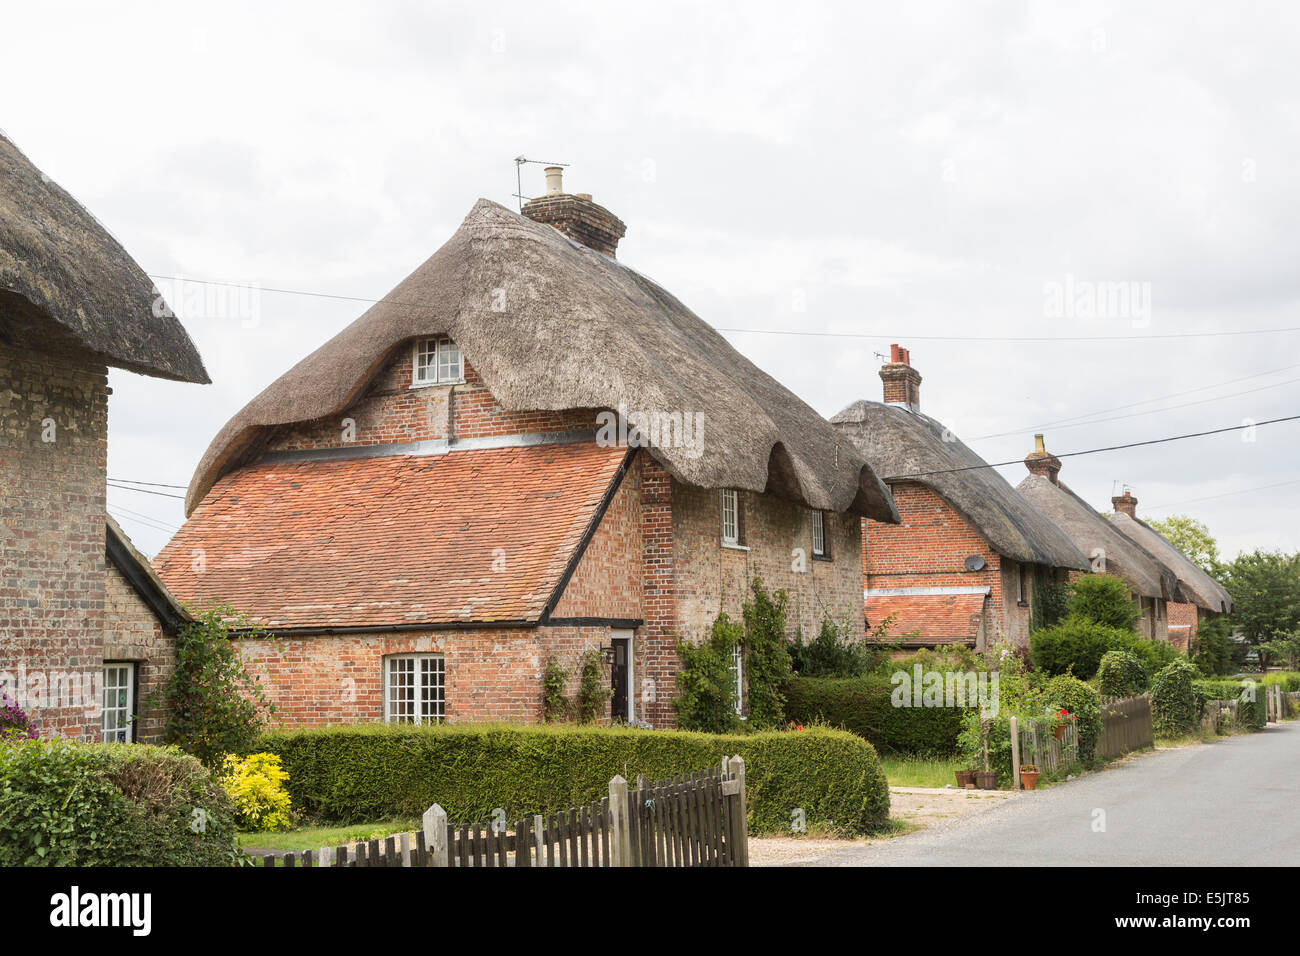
(619, 675)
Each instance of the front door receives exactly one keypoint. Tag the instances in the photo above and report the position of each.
(620, 677)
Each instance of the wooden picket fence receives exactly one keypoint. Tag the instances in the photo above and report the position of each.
(696, 819)
(1040, 748)
(1125, 726)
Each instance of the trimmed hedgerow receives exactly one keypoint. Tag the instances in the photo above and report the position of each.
(72, 804)
(373, 771)
(864, 706)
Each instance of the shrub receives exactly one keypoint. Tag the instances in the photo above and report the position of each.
(1075, 646)
(767, 657)
(1155, 656)
(374, 771)
(1072, 694)
(1213, 649)
(71, 804)
(1120, 675)
(1051, 600)
(14, 723)
(593, 691)
(255, 785)
(832, 654)
(706, 683)
(1103, 599)
(1173, 700)
(214, 706)
(864, 706)
(555, 706)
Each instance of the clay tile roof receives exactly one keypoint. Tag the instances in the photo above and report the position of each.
(63, 277)
(939, 618)
(481, 536)
(552, 325)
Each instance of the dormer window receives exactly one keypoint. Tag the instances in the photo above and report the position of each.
(437, 362)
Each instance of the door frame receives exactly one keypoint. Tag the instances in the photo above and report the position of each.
(628, 635)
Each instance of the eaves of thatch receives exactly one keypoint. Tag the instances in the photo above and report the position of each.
(65, 281)
(551, 325)
(1197, 586)
(908, 446)
(1100, 540)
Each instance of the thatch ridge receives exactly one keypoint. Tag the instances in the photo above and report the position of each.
(1198, 587)
(577, 330)
(1125, 558)
(63, 268)
(901, 444)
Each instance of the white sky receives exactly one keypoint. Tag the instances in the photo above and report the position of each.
(893, 170)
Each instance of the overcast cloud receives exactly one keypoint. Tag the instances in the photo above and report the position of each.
(893, 170)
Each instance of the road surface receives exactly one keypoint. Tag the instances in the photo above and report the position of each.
(1235, 802)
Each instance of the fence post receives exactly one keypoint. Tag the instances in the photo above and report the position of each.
(1015, 754)
(739, 813)
(435, 835)
(620, 842)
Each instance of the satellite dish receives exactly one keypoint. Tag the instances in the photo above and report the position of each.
(974, 562)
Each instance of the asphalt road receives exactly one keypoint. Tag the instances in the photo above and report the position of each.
(1235, 802)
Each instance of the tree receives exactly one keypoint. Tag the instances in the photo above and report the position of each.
(1265, 587)
(1103, 599)
(1192, 538)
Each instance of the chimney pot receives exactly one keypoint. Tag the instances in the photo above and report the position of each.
(554, 180)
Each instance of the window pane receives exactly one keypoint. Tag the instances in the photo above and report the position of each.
(448, 361)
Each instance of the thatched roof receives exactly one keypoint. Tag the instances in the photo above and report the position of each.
(1092, 533)
(576, 329)
(63, 277)
(1197, 586)
(905, 446)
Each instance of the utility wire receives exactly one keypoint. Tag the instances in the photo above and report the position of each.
(152, 484)
(802, 332)
(145, 491)
(1148, 401)
(1226, 494)
(1094, 451)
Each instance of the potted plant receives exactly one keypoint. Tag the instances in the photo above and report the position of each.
(986, 779)
(965, 778)
(1029, 777)
(1060, 720)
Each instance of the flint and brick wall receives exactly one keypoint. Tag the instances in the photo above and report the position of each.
(52, 551)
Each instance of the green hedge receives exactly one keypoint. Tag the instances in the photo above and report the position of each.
(72, 804)
(863, 706)
(1077, 645)
(373, 771)
(1174, 701)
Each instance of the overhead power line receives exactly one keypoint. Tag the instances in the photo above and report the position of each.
(1226, 494)
(145, 491)
(1095, 451)
(152, 484)
(802, 332)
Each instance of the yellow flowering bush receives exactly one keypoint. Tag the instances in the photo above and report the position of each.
(256, 787)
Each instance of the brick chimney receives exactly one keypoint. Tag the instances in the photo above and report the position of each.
(902, 382)
(1040, 463)
(1126, 503)
(576, 215)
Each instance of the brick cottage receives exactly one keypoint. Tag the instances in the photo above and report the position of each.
(961, 565)
(1153, 584)
(84, 624)
(526, 452)
(1201, 594)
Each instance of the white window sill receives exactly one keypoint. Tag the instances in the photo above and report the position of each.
(459, 381)
(732, 546)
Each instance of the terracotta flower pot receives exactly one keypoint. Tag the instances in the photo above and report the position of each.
(1029, 779)
(1059, 730)
(986, 779)
(965, 778)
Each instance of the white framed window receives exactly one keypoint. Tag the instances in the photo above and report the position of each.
(819, 534)
(117, 719)
(437, 362)
(414, 689)
(738, 671)
(730, 516)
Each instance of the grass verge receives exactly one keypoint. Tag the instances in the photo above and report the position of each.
(920, 771)
(313, 838)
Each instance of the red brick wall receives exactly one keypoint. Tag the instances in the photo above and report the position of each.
(489, 675)
(658, 653)
(928, 549)
(607, 581)
(52, 550)
(1185, 614)
(390, 411)
(132, 633)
